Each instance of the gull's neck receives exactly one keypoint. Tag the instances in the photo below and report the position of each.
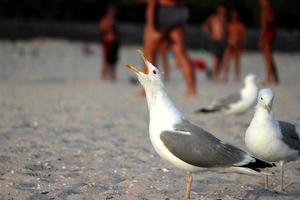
(161, 108)
(250, 85)
(262, 114)
(249, 89)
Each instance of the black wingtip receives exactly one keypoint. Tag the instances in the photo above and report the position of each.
(259, 164)
(206, 110)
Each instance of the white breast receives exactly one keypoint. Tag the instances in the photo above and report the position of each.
(163, 116)
(263, 139)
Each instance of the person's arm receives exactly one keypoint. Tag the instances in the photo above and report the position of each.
(150, 12)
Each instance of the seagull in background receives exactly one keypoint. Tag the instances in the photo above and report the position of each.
(238, 102)
(185, 145)
(269, 139)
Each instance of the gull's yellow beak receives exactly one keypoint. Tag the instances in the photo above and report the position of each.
(268, 108)
(134, 68)
(143, 56)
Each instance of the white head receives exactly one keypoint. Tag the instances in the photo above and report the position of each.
(150, 79)
(265, 99)
(250, 79)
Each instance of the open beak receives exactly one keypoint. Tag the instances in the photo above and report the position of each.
(134, 69)
(143, 56)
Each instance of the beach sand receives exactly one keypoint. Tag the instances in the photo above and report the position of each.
(66, 135)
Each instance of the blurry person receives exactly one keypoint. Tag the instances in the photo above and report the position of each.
(236, 42)
(110, 44)
(266, 40)
(215, 28)
(164, 21)
(164, 49)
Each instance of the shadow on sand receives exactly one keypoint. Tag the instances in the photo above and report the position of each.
(259, 193)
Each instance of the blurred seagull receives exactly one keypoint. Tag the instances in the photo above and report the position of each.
(185, 145)
(269, 139)
(238, 102)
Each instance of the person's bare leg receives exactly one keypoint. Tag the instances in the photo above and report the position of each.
(188, 185)
(104, 66)
(268, 64)
(104, 70)
(271, 71)
(227, 56)
(274, 68)
(237, 67)
(150, 42)
(164, 57)
(216, 69)
(112, 69)
(179, 48)
(275, 73)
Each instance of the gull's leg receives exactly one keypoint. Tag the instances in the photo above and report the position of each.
(188, 184)
(282, 173)
(282, 187)
(266, 181)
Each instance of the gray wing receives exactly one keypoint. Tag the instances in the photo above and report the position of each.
(225, 102)
(290, 136)
(202, 149)
(233, 98)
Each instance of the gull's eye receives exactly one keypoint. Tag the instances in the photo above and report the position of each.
(261, 98)
(154, 72)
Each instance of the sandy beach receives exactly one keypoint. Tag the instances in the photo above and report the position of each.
(66, 135)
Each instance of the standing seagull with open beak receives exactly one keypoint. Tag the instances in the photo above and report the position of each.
(184, 144)
(269, 139)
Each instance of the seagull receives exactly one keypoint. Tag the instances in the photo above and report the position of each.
(269, 139)
(238, 102)
(185, 145)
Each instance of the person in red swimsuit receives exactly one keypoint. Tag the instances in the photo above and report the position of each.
(266, 40)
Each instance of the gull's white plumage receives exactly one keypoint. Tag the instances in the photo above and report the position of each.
(236, 103)
(163, 116)
(184, 144)
(248, 95)
(265, 138)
